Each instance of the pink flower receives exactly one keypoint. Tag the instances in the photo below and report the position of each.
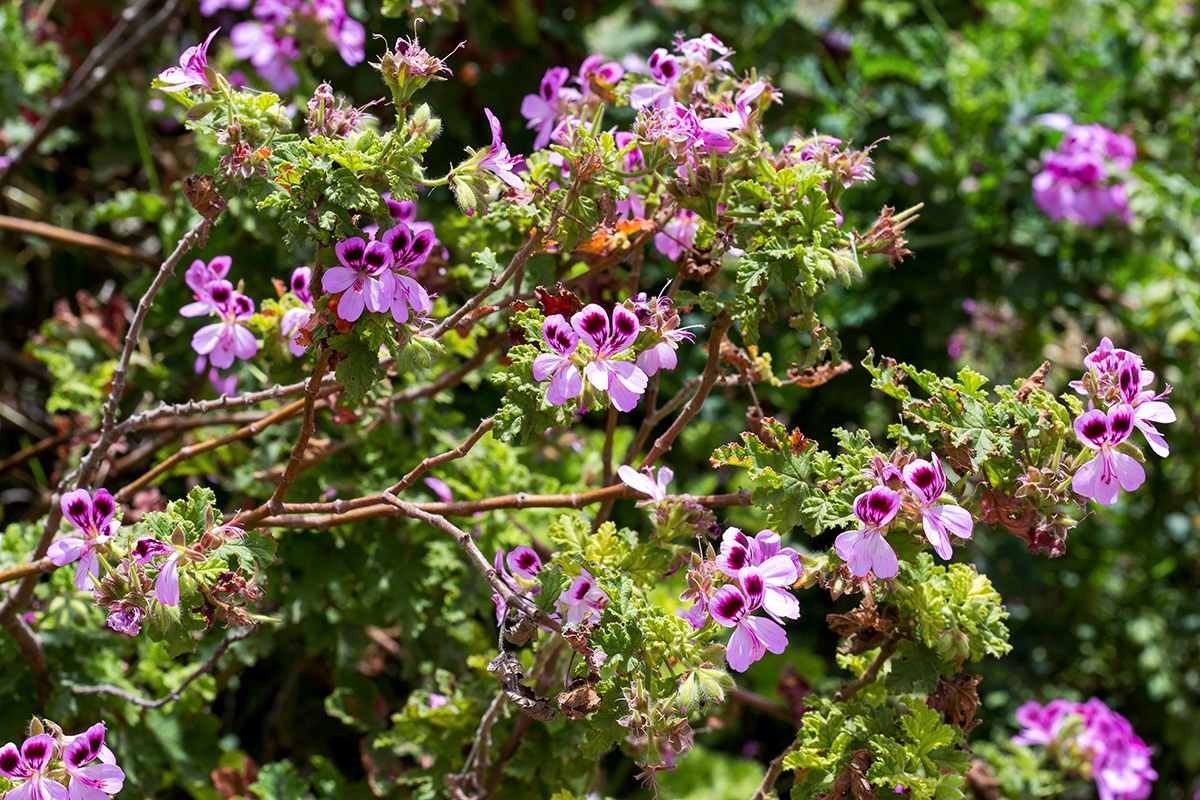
(440, 488)
(753, 636)
(166, 585)
(524, 562)
(364, 277)
(762, 560)
(190, 72)
(677, 235)
(200, 278)
(497, 160)
(544, 108)
(408, 248)
(595, 72)
(294, 318)
(1042, 723)
(623, 380)
(91, 781)
(558, 365)
(928, 482)
(94, 516)
(1099, 477)
(866, 550)
(28, 768)
(665, 71)
(584, 599)
(271, 54)
(646, 484)
(226, 340)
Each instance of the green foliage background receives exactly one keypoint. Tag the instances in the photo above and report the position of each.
(955, 89)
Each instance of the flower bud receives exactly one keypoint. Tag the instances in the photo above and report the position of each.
(35, 727)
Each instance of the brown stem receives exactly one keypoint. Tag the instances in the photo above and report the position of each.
(760, 703)
(707, 379)
(610, 430)
(766, 789)
(86, 240)
(870, 673)
(193, 450)
(466, 508)
(518, 260)
(307, 429)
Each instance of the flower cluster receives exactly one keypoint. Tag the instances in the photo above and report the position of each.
(94, 517)
(1119, 399)
(221, 342)
(193, 71)
(582, 601)
(746, 576)
(57, 766)
(1093, 739)
(377, 275)
(1083, 180)
(919, 490)
(283, 29)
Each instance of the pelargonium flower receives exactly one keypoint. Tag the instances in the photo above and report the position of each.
(928, 482)
(544, 108)
(1099, 478)
(226, 340)
(497, 159)
(583, 599)
(623, 380)
(558, 365)
(597, 76)
(665, 71)
(524, 562)
(364, 277)
(763, 559)
(866, 550)
(1080, 181)
(294, 318)
(91, 781)
(271, 53)
(1041, 724)
(677, 235)
(1147, 405)
(733, 607)
(29, 768)
(408, 249)
(200, 278)
(94, 516)
(190, 72)
(125, 618)
(647, 484)
(700, 50)
(658, 316)
(166, 585)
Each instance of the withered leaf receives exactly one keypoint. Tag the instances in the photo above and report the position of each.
(506, 667)
(957, 700)
(201, 192)
(580, 698)
(816, 376)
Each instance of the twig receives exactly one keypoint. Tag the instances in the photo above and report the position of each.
(307, 429)
(138, 700)
(34, 450)
(707, 379)
(518, 260)
(870, 673)
(766, 789)
(478, 756)
(464, 540)
(55, 233)
(610, 430)
(760, 703)
(303, 520)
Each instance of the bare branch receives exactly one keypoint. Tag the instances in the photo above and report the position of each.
(170, 697)
(57, 234)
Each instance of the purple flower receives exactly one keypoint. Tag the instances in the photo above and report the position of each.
(1099, 477)
(927, 482)
(225, 340)
(866, 550)
(408, 248)
(762, 560)
(166, 585)
(440, 488)
(558, 365)
(190, 72)
(91, 781)
(753, 636)
(595, 74)
(623, 380)
(94, 516)
(677, 235)
(200, 278)
(1079, 181)
(584, 599)
(364, 277)
(294, 318)
(28, 768)
(271, 55)
(1042, 723)
(436, 701)
(544, 108)
(665, 71)
(524, 562)
(125, 618)
(210, 7)
(646, 484)
(497, 159)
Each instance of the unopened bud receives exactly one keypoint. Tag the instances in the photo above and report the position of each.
(35, 727)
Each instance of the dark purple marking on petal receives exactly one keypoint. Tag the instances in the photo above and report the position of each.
(375, 258)
(924, 477)
(9, 761)
(581, 592)
(221, 294)
(78, 754)
(78, 509)
(353, 254)
(754, 585)
(33, 751)
(626, 324)
(594, 324)
(299, 282)
(668, 70)
(419, 245)
(1094, 429)
(737, 557)
(731, 605)
(526, 561)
